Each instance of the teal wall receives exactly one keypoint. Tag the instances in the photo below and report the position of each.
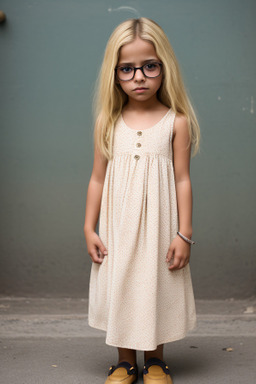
(51, 52)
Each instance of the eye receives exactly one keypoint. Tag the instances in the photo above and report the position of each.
(151, 66)
(125, 69)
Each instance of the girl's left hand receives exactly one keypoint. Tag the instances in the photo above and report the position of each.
(179, 253)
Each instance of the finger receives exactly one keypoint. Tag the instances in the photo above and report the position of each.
(170, 255)
(176, 264)
(103, 250)
(186, 261)
(95, 257)
(182, 264)
(101, 247)
(171, 262)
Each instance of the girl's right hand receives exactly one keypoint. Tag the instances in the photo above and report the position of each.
(95, 247)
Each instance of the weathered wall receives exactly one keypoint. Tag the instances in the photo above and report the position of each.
(50, 55)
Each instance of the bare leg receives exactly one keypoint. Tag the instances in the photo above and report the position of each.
(156, 353)
(127, 355)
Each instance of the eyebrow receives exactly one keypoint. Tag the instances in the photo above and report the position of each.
(144, 62)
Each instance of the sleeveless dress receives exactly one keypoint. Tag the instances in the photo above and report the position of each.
(133, 296)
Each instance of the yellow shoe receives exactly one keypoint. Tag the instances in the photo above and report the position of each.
(122, 373)
(156, 372)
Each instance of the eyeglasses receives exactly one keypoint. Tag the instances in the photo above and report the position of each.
(126, 72)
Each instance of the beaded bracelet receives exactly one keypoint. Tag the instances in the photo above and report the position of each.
(185, 238)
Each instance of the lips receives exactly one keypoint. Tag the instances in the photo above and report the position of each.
(140, 89)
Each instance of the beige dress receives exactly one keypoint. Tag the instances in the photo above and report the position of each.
(133, 296)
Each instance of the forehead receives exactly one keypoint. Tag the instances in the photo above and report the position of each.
(137, 51)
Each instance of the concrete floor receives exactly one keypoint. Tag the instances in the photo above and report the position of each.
(45, 340)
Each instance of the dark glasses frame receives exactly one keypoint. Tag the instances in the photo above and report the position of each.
(142, 70)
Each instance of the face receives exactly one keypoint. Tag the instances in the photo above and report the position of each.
(136, 54)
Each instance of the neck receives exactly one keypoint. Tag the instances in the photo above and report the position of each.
(141, 106)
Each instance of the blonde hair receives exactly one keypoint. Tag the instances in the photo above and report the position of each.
(109, 98)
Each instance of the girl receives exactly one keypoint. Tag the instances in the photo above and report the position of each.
(140, 289)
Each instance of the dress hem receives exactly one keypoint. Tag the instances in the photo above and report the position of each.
(138, 348)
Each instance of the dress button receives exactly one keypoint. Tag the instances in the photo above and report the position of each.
(136, 157)
(139, 133)
(138, 145)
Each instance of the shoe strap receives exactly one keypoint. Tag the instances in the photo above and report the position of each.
(131, 370)
(155, 361)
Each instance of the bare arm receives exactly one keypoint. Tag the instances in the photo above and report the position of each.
(179, 250)
(94, 192)
(92, 210)
(182, 175)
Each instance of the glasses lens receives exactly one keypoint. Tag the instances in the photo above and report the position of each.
(125, 73)
(152, 69)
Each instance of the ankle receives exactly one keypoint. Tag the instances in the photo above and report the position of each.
(131, 361)
(157, 353)
(146, 357)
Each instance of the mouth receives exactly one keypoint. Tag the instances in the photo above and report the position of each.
(140, 90)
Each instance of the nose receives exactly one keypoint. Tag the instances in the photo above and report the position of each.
(139, 74)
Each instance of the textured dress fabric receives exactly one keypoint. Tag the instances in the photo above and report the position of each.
(133, 296)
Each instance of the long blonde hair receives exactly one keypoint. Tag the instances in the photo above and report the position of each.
(109, 98)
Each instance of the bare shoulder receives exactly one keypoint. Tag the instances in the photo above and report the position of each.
(180, 125)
